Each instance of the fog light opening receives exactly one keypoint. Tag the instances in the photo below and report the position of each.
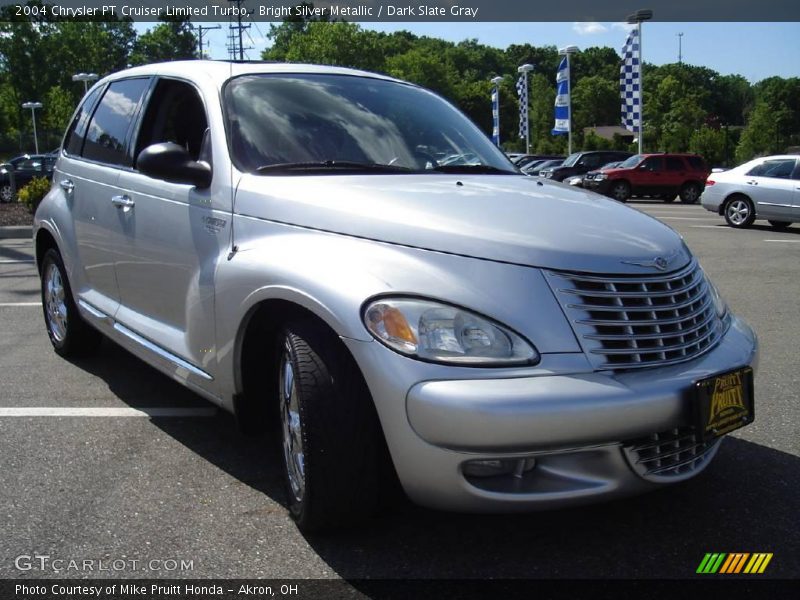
(515, 467)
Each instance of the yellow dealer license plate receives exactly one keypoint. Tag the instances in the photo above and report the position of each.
(725, 403)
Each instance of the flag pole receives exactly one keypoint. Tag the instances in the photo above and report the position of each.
(566, 52)
(644, 14)
(496, 110)
(525, 69)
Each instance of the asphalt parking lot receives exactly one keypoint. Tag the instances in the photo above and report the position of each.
(188, 487)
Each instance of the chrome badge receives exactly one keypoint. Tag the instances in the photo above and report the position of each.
(659, 262)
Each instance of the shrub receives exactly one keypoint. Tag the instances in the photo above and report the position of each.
(33, 193)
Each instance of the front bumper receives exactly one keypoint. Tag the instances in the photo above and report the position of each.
(577, 427)
(601, 186)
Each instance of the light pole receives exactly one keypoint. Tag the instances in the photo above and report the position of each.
(33, 106)
(85, 78)
(525, 69)
(643, 14)
(496, 110)
(680, 47)
(565, 52)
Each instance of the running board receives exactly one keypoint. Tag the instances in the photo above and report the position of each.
(144, 342)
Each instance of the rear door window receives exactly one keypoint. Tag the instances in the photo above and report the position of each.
(674, 164)
(779, 168)
(109, 127)
(696, 163)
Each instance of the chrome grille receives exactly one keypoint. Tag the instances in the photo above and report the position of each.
(669, 455)
(625, 322)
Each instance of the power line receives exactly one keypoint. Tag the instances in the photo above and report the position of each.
(235, 38)
(201, 29)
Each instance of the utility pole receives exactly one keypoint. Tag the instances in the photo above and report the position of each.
(201, 29)
(680, 48)
(235, 31)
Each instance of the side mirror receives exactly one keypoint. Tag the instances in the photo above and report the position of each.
(171, 162)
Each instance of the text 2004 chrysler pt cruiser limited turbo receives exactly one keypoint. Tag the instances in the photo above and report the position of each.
(348, 254)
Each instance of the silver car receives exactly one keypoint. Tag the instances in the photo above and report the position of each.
(282, 240)
(764, 188)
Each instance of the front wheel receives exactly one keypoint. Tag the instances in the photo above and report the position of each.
(333, 449)
(620, 190)
(69, 334)
(780, 224)
(739, 212)
(689, 193)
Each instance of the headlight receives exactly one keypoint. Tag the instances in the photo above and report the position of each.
(719, 304)
(441, 333)
(601, 176)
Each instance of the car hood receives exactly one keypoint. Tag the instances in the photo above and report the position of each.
(508, 218)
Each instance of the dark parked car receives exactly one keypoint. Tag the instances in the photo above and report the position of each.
(658, 175)
(528, 159)
(579, 163)
(535, 169)
(20, 170)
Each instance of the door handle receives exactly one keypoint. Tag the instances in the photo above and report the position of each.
(122, 201)
(67, 185)
(752, 182)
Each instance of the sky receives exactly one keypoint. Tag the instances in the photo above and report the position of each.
(753, 50)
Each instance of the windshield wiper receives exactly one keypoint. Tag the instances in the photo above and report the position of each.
(330, 165)
(486, 169)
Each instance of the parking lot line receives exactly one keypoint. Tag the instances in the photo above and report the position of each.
(721, 227)
(784, 241)
(13, 261)
(57, 411)
(5, 304)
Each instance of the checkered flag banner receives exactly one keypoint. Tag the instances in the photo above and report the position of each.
(562, 99)
(522, 92)
(496, 116)
(630, 83)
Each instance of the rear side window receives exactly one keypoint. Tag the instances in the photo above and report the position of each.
(780, 168)
(594, 160)
(77, 129)
(674, 164)
(108, 129)
(697, 163)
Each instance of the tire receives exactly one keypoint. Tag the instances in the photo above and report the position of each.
(69, 334)
(690, 193)
(780, 224)
(6, 193)
(739, 212)
(620, 190)
(334, 455)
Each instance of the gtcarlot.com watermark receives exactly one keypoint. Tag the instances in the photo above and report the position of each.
(53, 564)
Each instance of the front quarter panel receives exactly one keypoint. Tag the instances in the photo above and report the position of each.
(333, 275)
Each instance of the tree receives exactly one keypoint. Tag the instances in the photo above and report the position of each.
(171, 40)
(710, 144)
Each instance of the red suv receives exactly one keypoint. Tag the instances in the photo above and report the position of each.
(659, 175)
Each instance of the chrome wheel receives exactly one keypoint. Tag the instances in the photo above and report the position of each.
(292, 427)
(55, 300)
(738, 212)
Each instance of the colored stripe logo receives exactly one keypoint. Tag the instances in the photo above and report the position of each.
(734, 563)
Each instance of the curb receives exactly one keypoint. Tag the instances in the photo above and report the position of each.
(21, 232)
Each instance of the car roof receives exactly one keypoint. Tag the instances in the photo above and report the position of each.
(219, 71)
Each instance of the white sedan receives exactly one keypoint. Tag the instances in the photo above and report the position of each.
(764, 188)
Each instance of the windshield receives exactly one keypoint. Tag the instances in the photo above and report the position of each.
(571, 160)
(631, 162)
(297, 122)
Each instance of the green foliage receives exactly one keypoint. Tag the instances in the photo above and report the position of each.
(33, 193)
(686, 107)
(173, 39)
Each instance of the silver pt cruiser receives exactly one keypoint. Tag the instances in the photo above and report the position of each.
(348, 257)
